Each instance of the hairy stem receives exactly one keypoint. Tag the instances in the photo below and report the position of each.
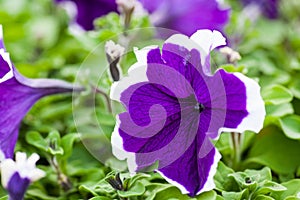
(237, 151)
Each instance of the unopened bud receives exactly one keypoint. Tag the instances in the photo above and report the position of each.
(113, 54)
(232, 55)
(128, 8)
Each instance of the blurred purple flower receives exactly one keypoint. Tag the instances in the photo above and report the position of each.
(175, 106)
(18, 94)
(185, 17)
(88, 10)
(268, 8)
(17, 175)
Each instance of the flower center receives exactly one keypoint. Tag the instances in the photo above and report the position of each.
(200, 107)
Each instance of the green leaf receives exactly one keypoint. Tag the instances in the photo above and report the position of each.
(276, 94)
(38, 194)
(295, 88)
(170, 192)
(4, 198)
(235, 195)
(259, 175)
(136, 190)
(293, 189)
(222, 180)
(155, 188)
(279, 110)
(35, 139)
(54, 147)
(86, 189)
(263, 197)
(100, 198)
(291, 126)
(67, 143)
(271, 148)
(137, 177)
(245, 181)
(210, 195)
(270, 186)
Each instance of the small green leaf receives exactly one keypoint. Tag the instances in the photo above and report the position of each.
(67, 144)
(38, 194)
(235, 195)
(295, 88)
(136, 190)
(222, 180)
(245, 181)
(100, 198)
(279, 110)
(259, 175)
(86, 189)
(35, 139)
(136, 178)
(270, 186)
(170, 192)
(276, 94)
(210, 195)
(291, 126)
(263, 197)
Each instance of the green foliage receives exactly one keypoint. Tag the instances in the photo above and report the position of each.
(267, 165)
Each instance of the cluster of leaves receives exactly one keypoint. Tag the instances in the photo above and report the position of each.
(262, 166)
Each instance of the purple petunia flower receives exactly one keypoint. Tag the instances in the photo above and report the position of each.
(185, 17)
(17, 175)
(268, 8)
(188, 16)
(175, 106)
(88, 10)
(18, 94)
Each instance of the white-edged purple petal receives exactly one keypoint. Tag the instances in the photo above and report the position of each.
(17, 187)
(204, 41)
(18, 95)
(255, 107)
(136, 73)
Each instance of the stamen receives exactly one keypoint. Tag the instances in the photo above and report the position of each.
(200, 107)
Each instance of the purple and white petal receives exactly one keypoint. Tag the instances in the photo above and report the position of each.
(204, 41)
(174, 109)
(18, 95)
(17, 187)
(6, 69)
(136, 73)
(255, 107)
(207, 40)
(17, 175)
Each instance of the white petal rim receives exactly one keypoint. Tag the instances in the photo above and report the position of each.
(136, 74)
(119, 151)
(210, 184)
(8, 168)
(255, 106)
(6, 58)
(208, 40)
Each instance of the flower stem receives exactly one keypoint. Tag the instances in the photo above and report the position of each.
(63, 180)
(106, 97)
(237, 151)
